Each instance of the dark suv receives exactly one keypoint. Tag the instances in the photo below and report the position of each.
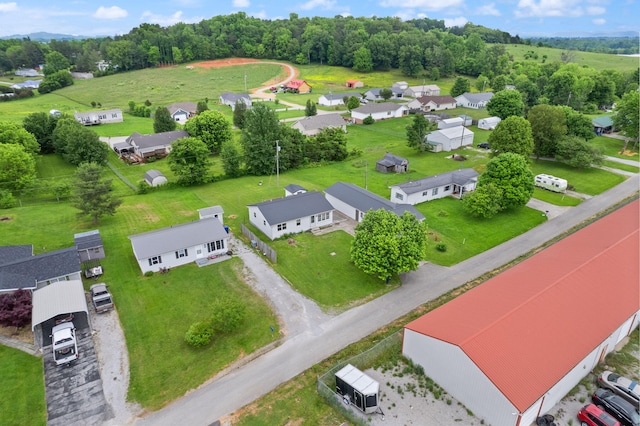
(617, 406)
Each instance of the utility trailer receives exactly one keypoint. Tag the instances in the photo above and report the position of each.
(358, 389)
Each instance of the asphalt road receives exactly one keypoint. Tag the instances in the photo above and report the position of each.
(218, 398)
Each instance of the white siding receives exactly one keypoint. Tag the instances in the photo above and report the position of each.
(343, 207)
(257, 219)
(171, 260)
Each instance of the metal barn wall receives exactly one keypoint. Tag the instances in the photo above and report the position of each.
(452, 369)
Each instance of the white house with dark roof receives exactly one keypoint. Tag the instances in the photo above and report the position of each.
(474, 100)
(292, 214)
(432, 103)
(230, 99)
(379, 111)
(449, 139)
(179, 244)
(311, 126)
(145, 146)
(455, 183)
(375, 94)
(424, 90)
(335, 99)
(354, 202)
(182, 111)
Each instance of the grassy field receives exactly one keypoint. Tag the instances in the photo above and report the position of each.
(590, 181)
(22, 387)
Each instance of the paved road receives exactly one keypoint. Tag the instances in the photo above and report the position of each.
(217, 399)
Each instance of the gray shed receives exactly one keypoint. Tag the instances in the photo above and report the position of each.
(392, 163)
(155, 178)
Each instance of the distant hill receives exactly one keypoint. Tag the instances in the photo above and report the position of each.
(44, 37)
(621, 44)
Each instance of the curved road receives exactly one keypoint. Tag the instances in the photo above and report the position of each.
(318, 340)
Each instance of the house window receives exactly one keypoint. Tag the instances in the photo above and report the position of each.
(323, 216)
(254, 214)
(399, 196)
(313, 218)
(181, 253)
(155, 260)
(282, 226)
(435, 191)
(297, 222)
(114, 115)
(215, 245)
(102, 117)
(447, 188)
(220, 244)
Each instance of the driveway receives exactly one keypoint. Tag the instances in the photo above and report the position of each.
(299, 352)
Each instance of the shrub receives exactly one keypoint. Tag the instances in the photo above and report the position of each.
(199, 334)
(148, 274)
(15, 309)
(441, 247)
(7, 200)
(227, 315)
(143, 187)
(368, 120)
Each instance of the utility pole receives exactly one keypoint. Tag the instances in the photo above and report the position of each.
(245, 82)
(278, 163)
(366, 170)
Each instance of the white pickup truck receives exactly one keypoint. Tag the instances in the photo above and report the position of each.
(65, 346)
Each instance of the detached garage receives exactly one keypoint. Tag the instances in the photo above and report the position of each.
(513, 347)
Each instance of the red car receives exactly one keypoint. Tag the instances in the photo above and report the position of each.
(590, 415)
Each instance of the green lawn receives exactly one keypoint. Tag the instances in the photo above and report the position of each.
(612, 147)
(590, 181)
(555, 198)
(22, 387)
(621, 166)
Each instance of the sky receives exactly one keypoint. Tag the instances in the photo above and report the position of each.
(527, 18)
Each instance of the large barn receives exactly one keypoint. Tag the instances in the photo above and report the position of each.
(513, 347)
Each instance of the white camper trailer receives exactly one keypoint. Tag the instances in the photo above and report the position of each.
(551, 183)
(358, 389)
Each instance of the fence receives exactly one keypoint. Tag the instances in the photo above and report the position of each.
(362, 361)
(259, 245)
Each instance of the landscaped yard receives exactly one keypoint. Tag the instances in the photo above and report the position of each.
(22, 389)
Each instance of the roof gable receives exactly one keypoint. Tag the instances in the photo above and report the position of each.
(501, 324)
(293, 207)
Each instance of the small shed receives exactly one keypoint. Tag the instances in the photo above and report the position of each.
(551, 183)
(294, 189)
(392, 163)
(488, 123)
(468, 120)
(89, 245)
(352, 84)
(215, 212)
(155, 178)
(358, 389)
(447, 123)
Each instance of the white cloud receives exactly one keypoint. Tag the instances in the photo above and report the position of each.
(314, 4)
(596, 10)
(8, 7)
(241, 3)
(560, 8)
(154, 18)
(113, 12)
(599, 21)
(424, 4)
(455, 22)
(488, 9)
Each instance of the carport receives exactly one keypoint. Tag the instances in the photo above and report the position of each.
(54, 303)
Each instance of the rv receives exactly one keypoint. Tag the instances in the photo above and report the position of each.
(551, 183)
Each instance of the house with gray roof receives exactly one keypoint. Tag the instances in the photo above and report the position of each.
(178, 245)
(20, 269)
(474, 100)
(213, 211)
(354, 202)
(455, 184)
(294, 189)
(334, 99)
(311, 126)
(182, 111)
(292, 214)
(375, 94)
(379, 111)
(230, 99)
(424, 90)
(154, 145)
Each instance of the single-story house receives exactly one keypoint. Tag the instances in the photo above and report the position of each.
(474, 100)
(335, 99)
(294, 189)
(449, 139)
(374, 94)
(20, 269)
(155, 177)
(215, 212)
(54, 303)
(602, 124)
(145, 146)
(311, 126)
(424, 90)
(379, 111)
(182, 111)
(28, 72)
(89, 118)
(448, 123)
(292, 214)
(298, 86)
(89, 245)
(230, 99)
(432, 103)
(354, 202)
(455, 183)
(512, 348)
(27, 84)
(489, 123)
(352, 84)
(179, 244)
(392, 163)
(402, 85)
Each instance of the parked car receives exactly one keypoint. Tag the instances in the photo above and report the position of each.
(101, 297)
(590, 415)
(64, 344)
(484, 145)
(626, 388)
(617, 406)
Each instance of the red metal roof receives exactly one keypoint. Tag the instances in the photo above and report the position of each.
(294, 84)
(529, 326)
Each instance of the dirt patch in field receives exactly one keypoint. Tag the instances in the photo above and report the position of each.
(144, 212)
(218, 63)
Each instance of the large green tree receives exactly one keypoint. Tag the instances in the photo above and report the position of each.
(626, 116)
(212, 128)
(93, 194)
(258, 139)
(162, 121)
(460, 86)
(231, 160)
(483, 202)
(548, 125)
(510, 173)
(578, 124)
(506, 103)
(362, 61)
(578, 153)
(386, 244)
(17, 167)
(41, 125)
(512, 135)
(417, 131)
(54, 62)
(238, 114)
(189, 161)
(11, 133)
